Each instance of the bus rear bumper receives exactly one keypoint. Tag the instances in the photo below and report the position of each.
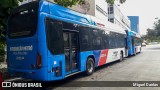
(37, 74)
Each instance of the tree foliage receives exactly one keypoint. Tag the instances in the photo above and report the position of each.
(2, 52)
(5, 7)
(122, 1)
(112, 1)
(70, 3)
(153, 34)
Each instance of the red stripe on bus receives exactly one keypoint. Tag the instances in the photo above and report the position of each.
(103, 57)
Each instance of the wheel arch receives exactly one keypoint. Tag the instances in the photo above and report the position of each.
(93, 65)
(122, 52)
(91, 56)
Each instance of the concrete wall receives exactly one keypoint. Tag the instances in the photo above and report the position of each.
(98, 8)
(104, 6)
(81, 10)
(119, 18)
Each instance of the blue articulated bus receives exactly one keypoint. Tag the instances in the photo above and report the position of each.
(133, 42)
(48, 42)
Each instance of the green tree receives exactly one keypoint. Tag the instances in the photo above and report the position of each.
(151, 32)
(122, 1)
(112, 1)
(153, 35)
(157, 28)
(2, 52)
(70, 3)
(5, 7)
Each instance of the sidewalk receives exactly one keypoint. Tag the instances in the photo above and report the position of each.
(3, 70)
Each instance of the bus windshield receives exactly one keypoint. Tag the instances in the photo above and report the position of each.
(23, 21)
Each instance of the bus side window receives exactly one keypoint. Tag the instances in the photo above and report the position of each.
(97, 39)
(106, 41)
(54, 35)
(111, 40)
(85, 38)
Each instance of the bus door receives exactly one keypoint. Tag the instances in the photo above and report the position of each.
(71, 51)
(126, 47)
(133, 46)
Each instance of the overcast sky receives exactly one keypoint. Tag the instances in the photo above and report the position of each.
(147, 10)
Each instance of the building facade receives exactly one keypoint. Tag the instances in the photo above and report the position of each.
(97, 8)
(134, 23)
(117, 17)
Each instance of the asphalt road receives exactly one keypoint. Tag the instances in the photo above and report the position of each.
(145, 66)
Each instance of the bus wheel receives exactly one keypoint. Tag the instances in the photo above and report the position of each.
(140, 50)
(135, 53)
(90, 66)
(121, 57)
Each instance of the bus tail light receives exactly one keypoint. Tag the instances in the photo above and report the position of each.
(39, 61)
(58, 70)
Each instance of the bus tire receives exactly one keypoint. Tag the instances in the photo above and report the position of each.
(121, 57)
(90, 66)
(140, 50)
(135, 52)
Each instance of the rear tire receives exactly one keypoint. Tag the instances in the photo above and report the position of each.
(135, 52)
(121, 57)
(90, 66)
(140, 50)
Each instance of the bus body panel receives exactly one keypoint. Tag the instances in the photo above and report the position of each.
(44, 7)
(39, 74)
(20, 55)
(105, 56)
(114, 54)
(130, 46)
(100, 57)
(53, 63)
(138, 49)
(67, 14)
(132, 36)
(83, 58)
(32, 46)
(42, 47)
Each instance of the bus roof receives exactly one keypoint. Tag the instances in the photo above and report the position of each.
(107, 25)
(133, 33)
(69, 15)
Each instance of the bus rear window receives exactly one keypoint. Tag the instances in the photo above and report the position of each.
(23, 21)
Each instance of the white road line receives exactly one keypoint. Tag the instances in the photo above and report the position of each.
(14, 79)
(152, 50)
